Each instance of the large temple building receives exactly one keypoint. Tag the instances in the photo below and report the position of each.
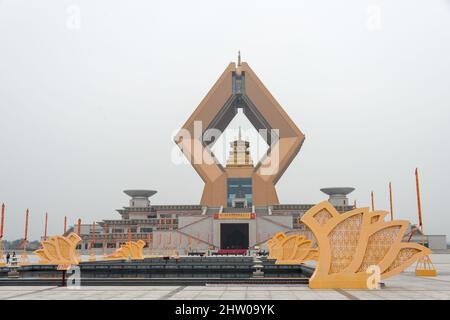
(239, 208)
(186, 228)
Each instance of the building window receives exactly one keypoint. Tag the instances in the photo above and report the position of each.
(239, 192)
(238, 83)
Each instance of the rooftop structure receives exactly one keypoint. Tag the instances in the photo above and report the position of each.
(139, 198)
(338, 196)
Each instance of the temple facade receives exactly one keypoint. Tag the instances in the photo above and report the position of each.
(192, 228)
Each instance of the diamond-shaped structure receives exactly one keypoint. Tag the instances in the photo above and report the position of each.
(239, 87)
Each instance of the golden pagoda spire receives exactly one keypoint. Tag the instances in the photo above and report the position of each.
(239, 153)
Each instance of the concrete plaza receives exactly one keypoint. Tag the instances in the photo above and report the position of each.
(403, 286)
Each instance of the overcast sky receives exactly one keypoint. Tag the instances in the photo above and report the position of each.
(91, 92)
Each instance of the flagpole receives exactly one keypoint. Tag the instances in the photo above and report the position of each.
(24, 257)
(45, 226)
(419, 205)
(2, 221)
(373, 202)
(390, 201)
(1, 234)
(92, 254)
(424, 266)
(79, 227)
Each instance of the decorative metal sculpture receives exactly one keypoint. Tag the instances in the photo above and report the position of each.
(129, 250)
(353, 241)
(425, 267)
(294, 249)
(274, 245)
(59, 250)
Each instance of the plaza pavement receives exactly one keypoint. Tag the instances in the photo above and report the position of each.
(403, 286)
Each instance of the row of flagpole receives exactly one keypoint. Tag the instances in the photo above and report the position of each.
(391, 208)
(419, 205)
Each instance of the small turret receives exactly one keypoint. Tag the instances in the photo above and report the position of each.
(139, 198)
(338, 196)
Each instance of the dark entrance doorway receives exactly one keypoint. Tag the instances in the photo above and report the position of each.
(234, 236)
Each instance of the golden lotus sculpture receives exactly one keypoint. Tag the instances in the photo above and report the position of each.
(274, 245)
(353, 241)
(59, 250)
(293, 249)
(129, 250)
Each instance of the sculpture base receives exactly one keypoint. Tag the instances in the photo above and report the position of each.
(340, 281)
(426, 273)
(425, 268)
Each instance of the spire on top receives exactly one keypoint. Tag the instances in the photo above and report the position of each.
(239, 58)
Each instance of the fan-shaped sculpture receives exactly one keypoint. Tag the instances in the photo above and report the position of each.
(352, 241)
(294, 249)
(129, 250)
(59, 250)
(274, 245)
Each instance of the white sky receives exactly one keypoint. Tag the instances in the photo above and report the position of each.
(88, 106)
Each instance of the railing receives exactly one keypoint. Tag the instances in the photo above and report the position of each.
(150, 221)
(237, 210)
(118, 236)
(304, 207)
